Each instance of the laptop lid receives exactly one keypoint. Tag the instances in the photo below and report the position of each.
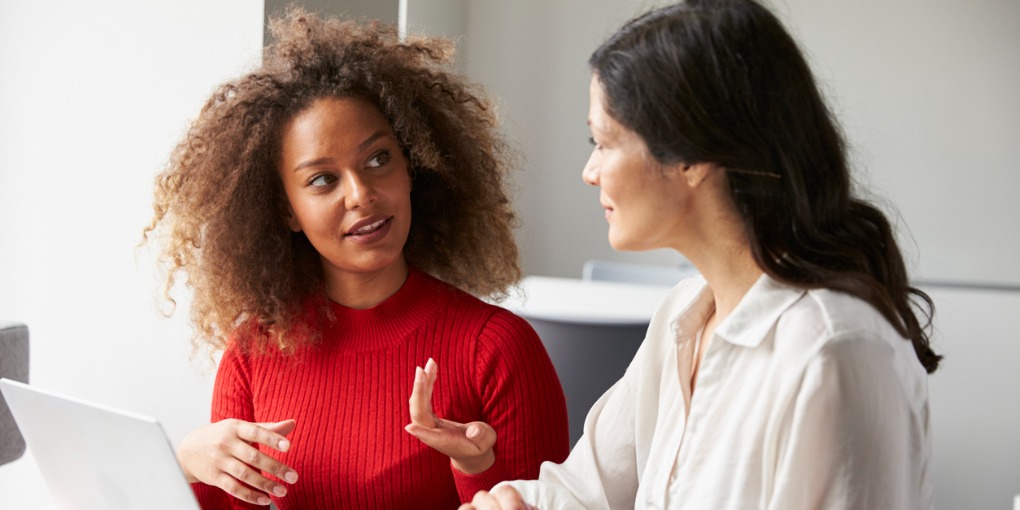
(93, 456)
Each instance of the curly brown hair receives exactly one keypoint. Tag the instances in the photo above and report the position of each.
(221, 206)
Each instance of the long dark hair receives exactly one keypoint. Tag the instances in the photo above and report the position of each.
(721, 81)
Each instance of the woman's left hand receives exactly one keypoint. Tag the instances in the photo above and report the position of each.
(501, 498)
(469, 445)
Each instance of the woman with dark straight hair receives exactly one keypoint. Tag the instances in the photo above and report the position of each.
(793, 372)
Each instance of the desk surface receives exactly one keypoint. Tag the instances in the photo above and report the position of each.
(584, 302)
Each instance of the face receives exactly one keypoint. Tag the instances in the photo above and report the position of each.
(643, 200)
(348, 186)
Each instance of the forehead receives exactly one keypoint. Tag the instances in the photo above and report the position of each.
(597, 115)
(345, 114)
(602, 122)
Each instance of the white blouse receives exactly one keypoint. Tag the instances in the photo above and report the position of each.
(805, 399)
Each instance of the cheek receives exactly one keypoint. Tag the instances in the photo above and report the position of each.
(399, 192)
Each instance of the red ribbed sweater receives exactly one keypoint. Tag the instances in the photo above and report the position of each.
(349, 395)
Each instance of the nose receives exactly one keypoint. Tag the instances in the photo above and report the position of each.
(590, 174)
(358, 190)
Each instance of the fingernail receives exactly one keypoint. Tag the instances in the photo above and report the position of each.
(473, 432)
(279, 491)
(430, 366)
(263, 500)
(417, 375)
(283, 445)
(290, 476)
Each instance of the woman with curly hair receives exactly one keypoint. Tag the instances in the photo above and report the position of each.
(332, 211)
(793, 373)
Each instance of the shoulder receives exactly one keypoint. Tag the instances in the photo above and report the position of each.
(486, 319)
(828, 316)
(850, 339)
(823, 322)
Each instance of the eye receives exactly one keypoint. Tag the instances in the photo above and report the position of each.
(379, 159)
(321, 180)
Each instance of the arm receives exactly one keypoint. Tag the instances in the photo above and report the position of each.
(222, 458)
(856, 433)
(522, 405)
(522, 399)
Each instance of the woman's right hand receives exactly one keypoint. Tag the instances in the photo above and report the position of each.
(224, 454)
(469, 446)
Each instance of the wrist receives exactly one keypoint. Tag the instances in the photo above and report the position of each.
(475, 465)
(187, 474)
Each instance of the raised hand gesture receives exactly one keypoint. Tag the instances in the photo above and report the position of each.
(469, 446)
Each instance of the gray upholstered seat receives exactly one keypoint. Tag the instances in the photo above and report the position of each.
(13, 365)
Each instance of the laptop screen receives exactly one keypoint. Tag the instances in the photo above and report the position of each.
(94, 456)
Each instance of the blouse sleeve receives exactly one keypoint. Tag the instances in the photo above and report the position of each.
(232, 398)
(521, 399)
(855, 431)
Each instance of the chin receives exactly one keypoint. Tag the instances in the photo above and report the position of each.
(619, 244)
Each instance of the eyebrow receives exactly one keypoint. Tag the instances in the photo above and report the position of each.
(361, 147)
(370, 140)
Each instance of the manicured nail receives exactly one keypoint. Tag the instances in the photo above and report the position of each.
(430, 366)
(417, 375)
(283, 445)
(279, 491)
(263, 500)
(473, 432)
(290, 476)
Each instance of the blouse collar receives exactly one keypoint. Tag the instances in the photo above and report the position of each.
(750, 322)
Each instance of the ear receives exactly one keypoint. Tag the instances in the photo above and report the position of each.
(292, 222)
(696, 173)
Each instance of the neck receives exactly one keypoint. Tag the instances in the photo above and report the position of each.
(730, 280)
(724, 258)
(718, 244)
(365, 290)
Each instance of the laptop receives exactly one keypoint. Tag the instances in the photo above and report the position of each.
(97, 457)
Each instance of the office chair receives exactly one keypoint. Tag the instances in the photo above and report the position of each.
(13, 365)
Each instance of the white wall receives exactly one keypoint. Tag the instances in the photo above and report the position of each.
(974, 406)
(93, 97)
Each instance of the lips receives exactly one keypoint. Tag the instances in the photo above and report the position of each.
(367, 225)
(607, 210)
